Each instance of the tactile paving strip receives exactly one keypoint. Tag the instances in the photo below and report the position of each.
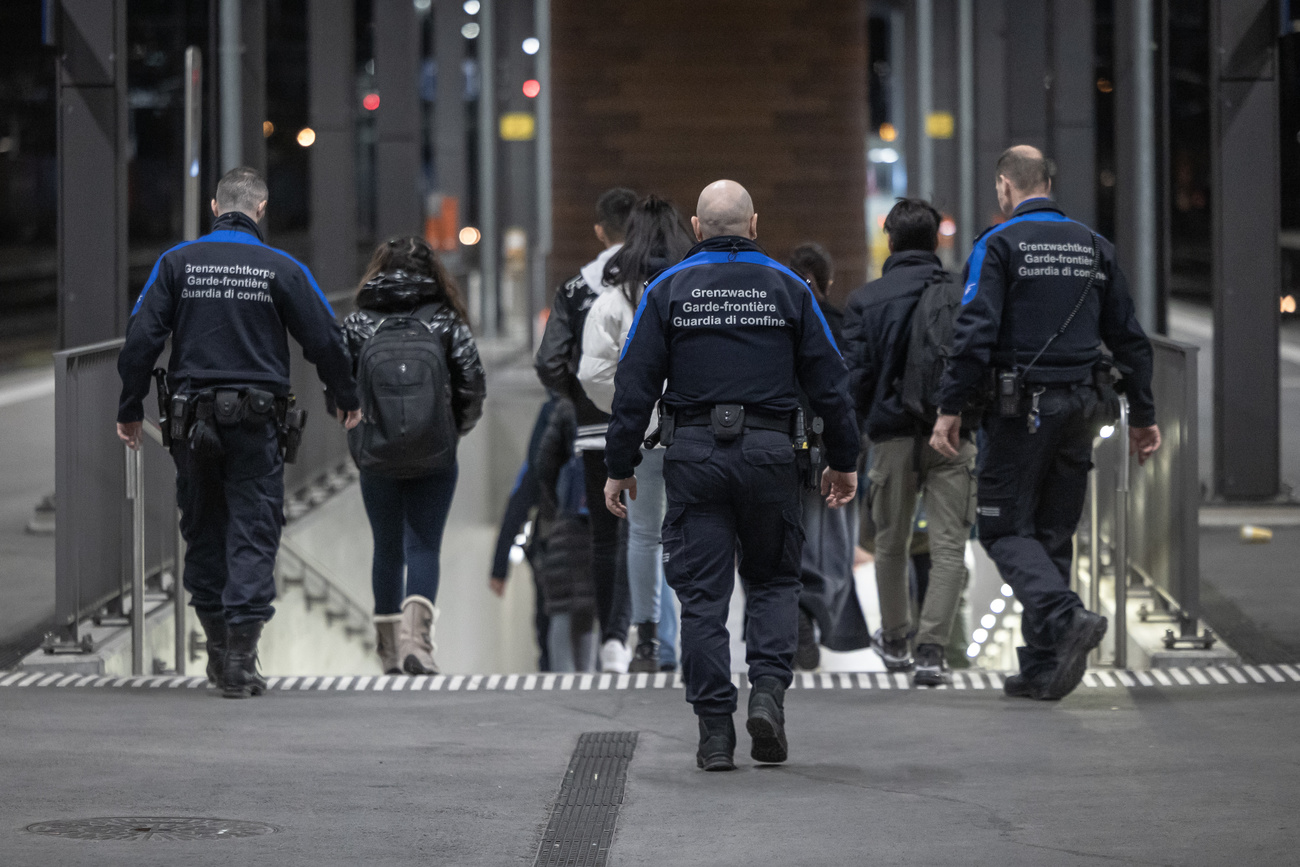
(151, 828)
(1223, 675)
(581, 828)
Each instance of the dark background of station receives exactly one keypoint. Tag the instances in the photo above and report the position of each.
(159, 30)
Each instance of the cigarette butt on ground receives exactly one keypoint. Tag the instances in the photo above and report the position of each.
(1251, 533)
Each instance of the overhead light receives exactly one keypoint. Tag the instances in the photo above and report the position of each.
(973, 651)
(988, 621)
(306, 136)
(1007, 591)
(980, 636)
(532, 45)
(471, 7)
(997, 606)
(470, 30)
(469, 236)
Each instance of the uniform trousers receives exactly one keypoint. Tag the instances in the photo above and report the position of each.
(1032, 488)
(232, 510)
(732, 504)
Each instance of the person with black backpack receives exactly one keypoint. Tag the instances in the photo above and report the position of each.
(898, 331)
(421, 386)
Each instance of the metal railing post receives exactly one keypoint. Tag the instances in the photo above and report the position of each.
(1121, 538)
(178, 599)
(1094, 550)
(135, 493)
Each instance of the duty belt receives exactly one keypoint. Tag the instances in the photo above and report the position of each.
(752, 420)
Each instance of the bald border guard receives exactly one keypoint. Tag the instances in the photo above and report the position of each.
(736, 335)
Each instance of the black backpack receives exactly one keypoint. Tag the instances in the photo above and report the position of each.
(929, 345)
(408, 428)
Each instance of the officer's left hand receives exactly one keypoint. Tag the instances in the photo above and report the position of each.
(838, 488)
(129, 433)
(349, 420)
(614, 487)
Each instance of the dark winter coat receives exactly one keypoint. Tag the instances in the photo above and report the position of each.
(402, 293)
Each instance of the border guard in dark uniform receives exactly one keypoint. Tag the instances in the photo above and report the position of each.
(227, 300)
(1042, 292)
(736, 335)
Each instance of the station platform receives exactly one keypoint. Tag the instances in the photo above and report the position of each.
(1197, 774)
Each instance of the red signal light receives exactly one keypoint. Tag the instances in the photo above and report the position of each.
(532, 87)
(371, 101)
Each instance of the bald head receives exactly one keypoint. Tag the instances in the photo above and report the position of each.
(724, 208)
(1023, 173)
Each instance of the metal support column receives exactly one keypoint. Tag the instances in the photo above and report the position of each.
(1135, 155)
(231, 67)
(450, 151)
(924, 171)
(1073, 108)
(966, 225)
(399, 180)
(332, 97)
(542, 246)
(490, 245)
(135, 493)
(92, 168)
(1246, 208)
(990, 106)
(252, 27)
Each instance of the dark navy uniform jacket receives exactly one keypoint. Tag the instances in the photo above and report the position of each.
(1021, 281)
(227, 298)
(729, 325)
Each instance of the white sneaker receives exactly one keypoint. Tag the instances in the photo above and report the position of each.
(615, 657)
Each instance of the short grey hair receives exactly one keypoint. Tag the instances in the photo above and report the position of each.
(241, 189)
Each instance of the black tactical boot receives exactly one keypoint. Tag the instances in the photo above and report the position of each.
(766, 722)
(242, 678)
(646, 657)
(717, 744)
(1083, 633)
(214, 627)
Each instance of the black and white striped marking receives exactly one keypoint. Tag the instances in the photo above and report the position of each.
(962, 680)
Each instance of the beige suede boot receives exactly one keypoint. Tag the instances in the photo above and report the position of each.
(386, 628)
(415, 647)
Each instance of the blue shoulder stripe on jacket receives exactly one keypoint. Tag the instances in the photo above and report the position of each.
(232, 236)
(975, 263)
(715, 258)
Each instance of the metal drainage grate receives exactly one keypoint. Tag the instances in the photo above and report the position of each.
(582, 822)
(151, 828)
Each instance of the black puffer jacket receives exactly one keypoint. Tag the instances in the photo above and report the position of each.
(401, 293)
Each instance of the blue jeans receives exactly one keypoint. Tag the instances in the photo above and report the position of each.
(407, 517)
(645, 518)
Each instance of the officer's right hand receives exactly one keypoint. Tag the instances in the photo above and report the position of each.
(614, 487)
(946, 436)
(349, 419)
(838, 488)
(1143, 442)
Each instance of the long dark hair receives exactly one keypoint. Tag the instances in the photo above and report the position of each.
(656, 238)
(811, 262)
(414, 256)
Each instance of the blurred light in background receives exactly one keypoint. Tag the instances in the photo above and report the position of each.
(1104, 85)
(532, 45)
(470, 30)
(532, 87)
(306, 136)
(882, 155)
(371, 101)
(267, 129)
(469, 236)
(423, 5)
(1107, 431)
(887, 132)
(1288, 304)
(947, 228)
(471, 7)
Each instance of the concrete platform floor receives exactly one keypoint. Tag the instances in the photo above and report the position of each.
(1175, 775)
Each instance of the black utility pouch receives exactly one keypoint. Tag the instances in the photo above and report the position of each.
(1103, 382)
(227, 407)
(727, 421)
(180, 417)
(259, 405)
(1010, 387)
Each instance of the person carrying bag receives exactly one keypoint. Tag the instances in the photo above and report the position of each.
(421, 386)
